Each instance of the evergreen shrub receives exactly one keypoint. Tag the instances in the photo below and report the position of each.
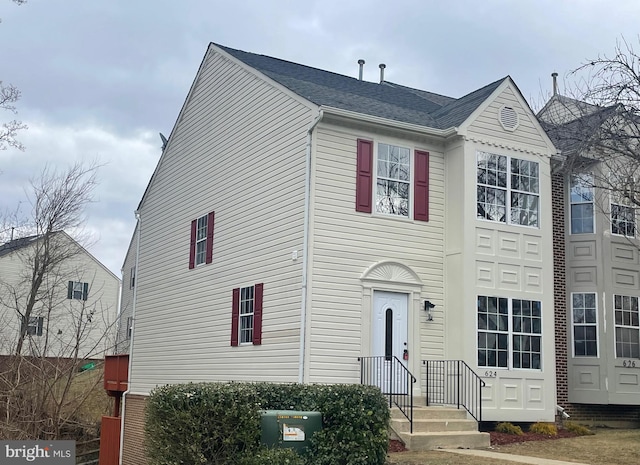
(219, 423)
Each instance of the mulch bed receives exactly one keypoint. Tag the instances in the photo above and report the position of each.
(396, 446)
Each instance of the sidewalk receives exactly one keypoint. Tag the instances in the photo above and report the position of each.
(510, 457)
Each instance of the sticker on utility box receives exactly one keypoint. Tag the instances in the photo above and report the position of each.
(292, 433)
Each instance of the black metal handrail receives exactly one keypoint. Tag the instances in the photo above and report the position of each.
(394, 380)
(453, 382)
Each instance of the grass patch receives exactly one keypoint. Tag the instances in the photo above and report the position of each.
(605, 447)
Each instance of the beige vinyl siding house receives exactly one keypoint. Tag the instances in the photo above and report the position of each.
(300, 220)
(347, 246)
(235, 130)
(75, 308)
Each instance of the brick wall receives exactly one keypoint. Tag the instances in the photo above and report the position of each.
(559, 286)
(610, 415)
(133, 447)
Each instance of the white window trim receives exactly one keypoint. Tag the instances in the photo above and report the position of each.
(202, 240)
(510, 333)
(635, 218)
(509, 191)
(593, 203)
(374, 211)
(615, 326)
(129, 327)
(252, 314)
(597, 325)
(132, 278)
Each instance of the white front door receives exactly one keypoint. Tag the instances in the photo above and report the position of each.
(390, 339)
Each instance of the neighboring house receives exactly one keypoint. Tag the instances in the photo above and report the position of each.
(597, 272)
(75, 306)
(125, 314)
(299, 219)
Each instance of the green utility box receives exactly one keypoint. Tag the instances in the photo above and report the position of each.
(289, 428)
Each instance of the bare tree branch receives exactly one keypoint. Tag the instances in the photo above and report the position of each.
(39, 393)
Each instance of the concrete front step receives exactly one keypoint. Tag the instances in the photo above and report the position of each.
(433, 413)
(445, 440)
(433, 425)
(438, 427)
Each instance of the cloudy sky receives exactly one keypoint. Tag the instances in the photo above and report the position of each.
(101, 78)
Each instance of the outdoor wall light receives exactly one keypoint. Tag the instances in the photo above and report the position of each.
(428, 306)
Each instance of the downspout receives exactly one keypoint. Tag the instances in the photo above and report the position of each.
(305, 247)
(133, 333)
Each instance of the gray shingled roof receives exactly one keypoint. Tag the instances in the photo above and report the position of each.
(389, 100)
(575, 135)
(15, 244)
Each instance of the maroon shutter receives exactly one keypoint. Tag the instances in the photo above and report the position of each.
(192, 250)
(257, 314)
(209, 258)
(235, 316)
(364, 177)
(421, 187)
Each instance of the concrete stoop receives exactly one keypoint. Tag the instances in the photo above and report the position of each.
(438, 428)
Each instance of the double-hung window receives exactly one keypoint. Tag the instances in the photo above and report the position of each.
(584, 322)
(77, 290)
(627, 326)
(392, 181)
(509, 333)
(581, 200)
(508, 189)
(201, 249)
(623, 220)
(33, 325)
(246, 315)
(132, 280)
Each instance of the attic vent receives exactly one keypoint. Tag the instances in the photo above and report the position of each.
(508, 118)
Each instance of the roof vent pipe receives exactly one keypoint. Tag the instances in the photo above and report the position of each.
(554, 76)
(382, 66)
(361, 63)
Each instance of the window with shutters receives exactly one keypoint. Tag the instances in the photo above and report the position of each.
(246, 315)
(77, 290)
(508, 189)
(391, 180)
(201, 248)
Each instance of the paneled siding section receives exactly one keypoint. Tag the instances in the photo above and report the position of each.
(239, 150)
(487, 126)
(517, 262)
(346, 243)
